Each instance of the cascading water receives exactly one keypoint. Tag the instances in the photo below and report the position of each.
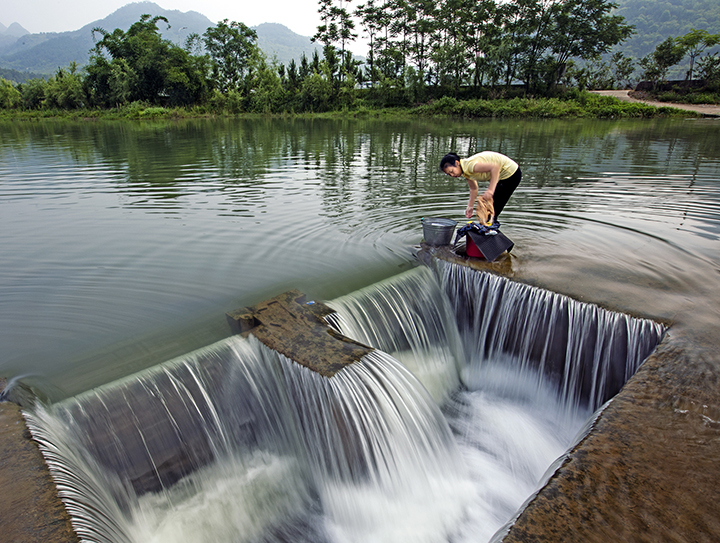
(410, 318)
(584, 351)
(317, 459)
(440, 435)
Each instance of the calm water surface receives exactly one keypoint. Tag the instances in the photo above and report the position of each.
(123, 244)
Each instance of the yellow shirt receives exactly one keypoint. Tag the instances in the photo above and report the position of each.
(507, 165)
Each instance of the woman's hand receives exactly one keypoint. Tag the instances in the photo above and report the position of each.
(488, 195)
(469, 212)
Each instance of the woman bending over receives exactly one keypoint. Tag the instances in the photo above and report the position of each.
(502, 173)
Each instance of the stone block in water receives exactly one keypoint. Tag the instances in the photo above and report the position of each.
(294, 327)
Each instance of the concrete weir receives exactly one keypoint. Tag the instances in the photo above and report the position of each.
(31, 508)
(294, 327)
(647, 470)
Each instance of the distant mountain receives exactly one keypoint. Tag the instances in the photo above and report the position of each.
(14, 30)
(656, 20)
(44, 53)
(9, 35)
(19, 77)
(278, 41)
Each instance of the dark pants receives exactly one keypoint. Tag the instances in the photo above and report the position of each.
(504, 190)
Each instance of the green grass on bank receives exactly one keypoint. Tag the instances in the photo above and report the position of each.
(583, 105)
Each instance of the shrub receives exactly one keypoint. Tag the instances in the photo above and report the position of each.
(153, 112)
(33, 93)
(315, 93)
(10, 97)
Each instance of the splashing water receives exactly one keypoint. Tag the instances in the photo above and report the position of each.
(440, 435)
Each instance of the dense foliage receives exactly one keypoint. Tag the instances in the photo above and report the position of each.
(138, 65)
(458, 42)
(18, 76)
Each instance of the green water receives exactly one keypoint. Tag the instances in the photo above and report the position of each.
(124, 244)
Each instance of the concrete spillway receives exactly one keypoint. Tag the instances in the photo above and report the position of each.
(171, 427)
(32, 509)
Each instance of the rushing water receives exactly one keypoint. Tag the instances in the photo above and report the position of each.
(123, 245)
(442, 447)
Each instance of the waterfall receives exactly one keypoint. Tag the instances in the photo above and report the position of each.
(409, 317)
(477, 385)
(266, 442)
(587, 352)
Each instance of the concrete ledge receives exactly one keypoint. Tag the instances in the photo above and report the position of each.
(32, 511)
(648, 469)
(294, 327)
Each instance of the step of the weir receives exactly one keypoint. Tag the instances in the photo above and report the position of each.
(31, 508)
(294, 326)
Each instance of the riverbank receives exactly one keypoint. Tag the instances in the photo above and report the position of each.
(705, 110)
(581, 105)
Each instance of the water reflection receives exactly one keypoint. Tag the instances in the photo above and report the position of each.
(394, 157)
(121, 237)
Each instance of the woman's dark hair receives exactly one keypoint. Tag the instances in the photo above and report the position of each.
(449, 158)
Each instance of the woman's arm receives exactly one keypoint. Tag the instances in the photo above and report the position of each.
(494, 170)
(473, 196)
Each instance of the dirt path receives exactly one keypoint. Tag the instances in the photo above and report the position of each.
(706, 110)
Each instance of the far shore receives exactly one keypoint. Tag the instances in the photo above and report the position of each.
(609, 104)
(707, 110)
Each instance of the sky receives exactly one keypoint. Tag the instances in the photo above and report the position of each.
(300, 16)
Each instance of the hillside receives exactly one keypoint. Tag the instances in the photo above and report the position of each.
(9, 35)
(278, 41)
(655, 20)
(44, 53)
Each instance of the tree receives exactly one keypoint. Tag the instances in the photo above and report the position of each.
(304, 69)
(656, 64)
(331, 61)
(315, 93)
(622, 68)
(709, 69)
(350, 66)
(389, 58)
(585, 29)
(372, 21)
(65, 89)
(514, 18)
(266, 94)
(449, 51)
(33, 93)
(694, 43)
(315, 62)
(337, 25)
(481, 37)
(231, 46)
(423, 23)
(10, 97)
(537, 29)
(139, 65)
